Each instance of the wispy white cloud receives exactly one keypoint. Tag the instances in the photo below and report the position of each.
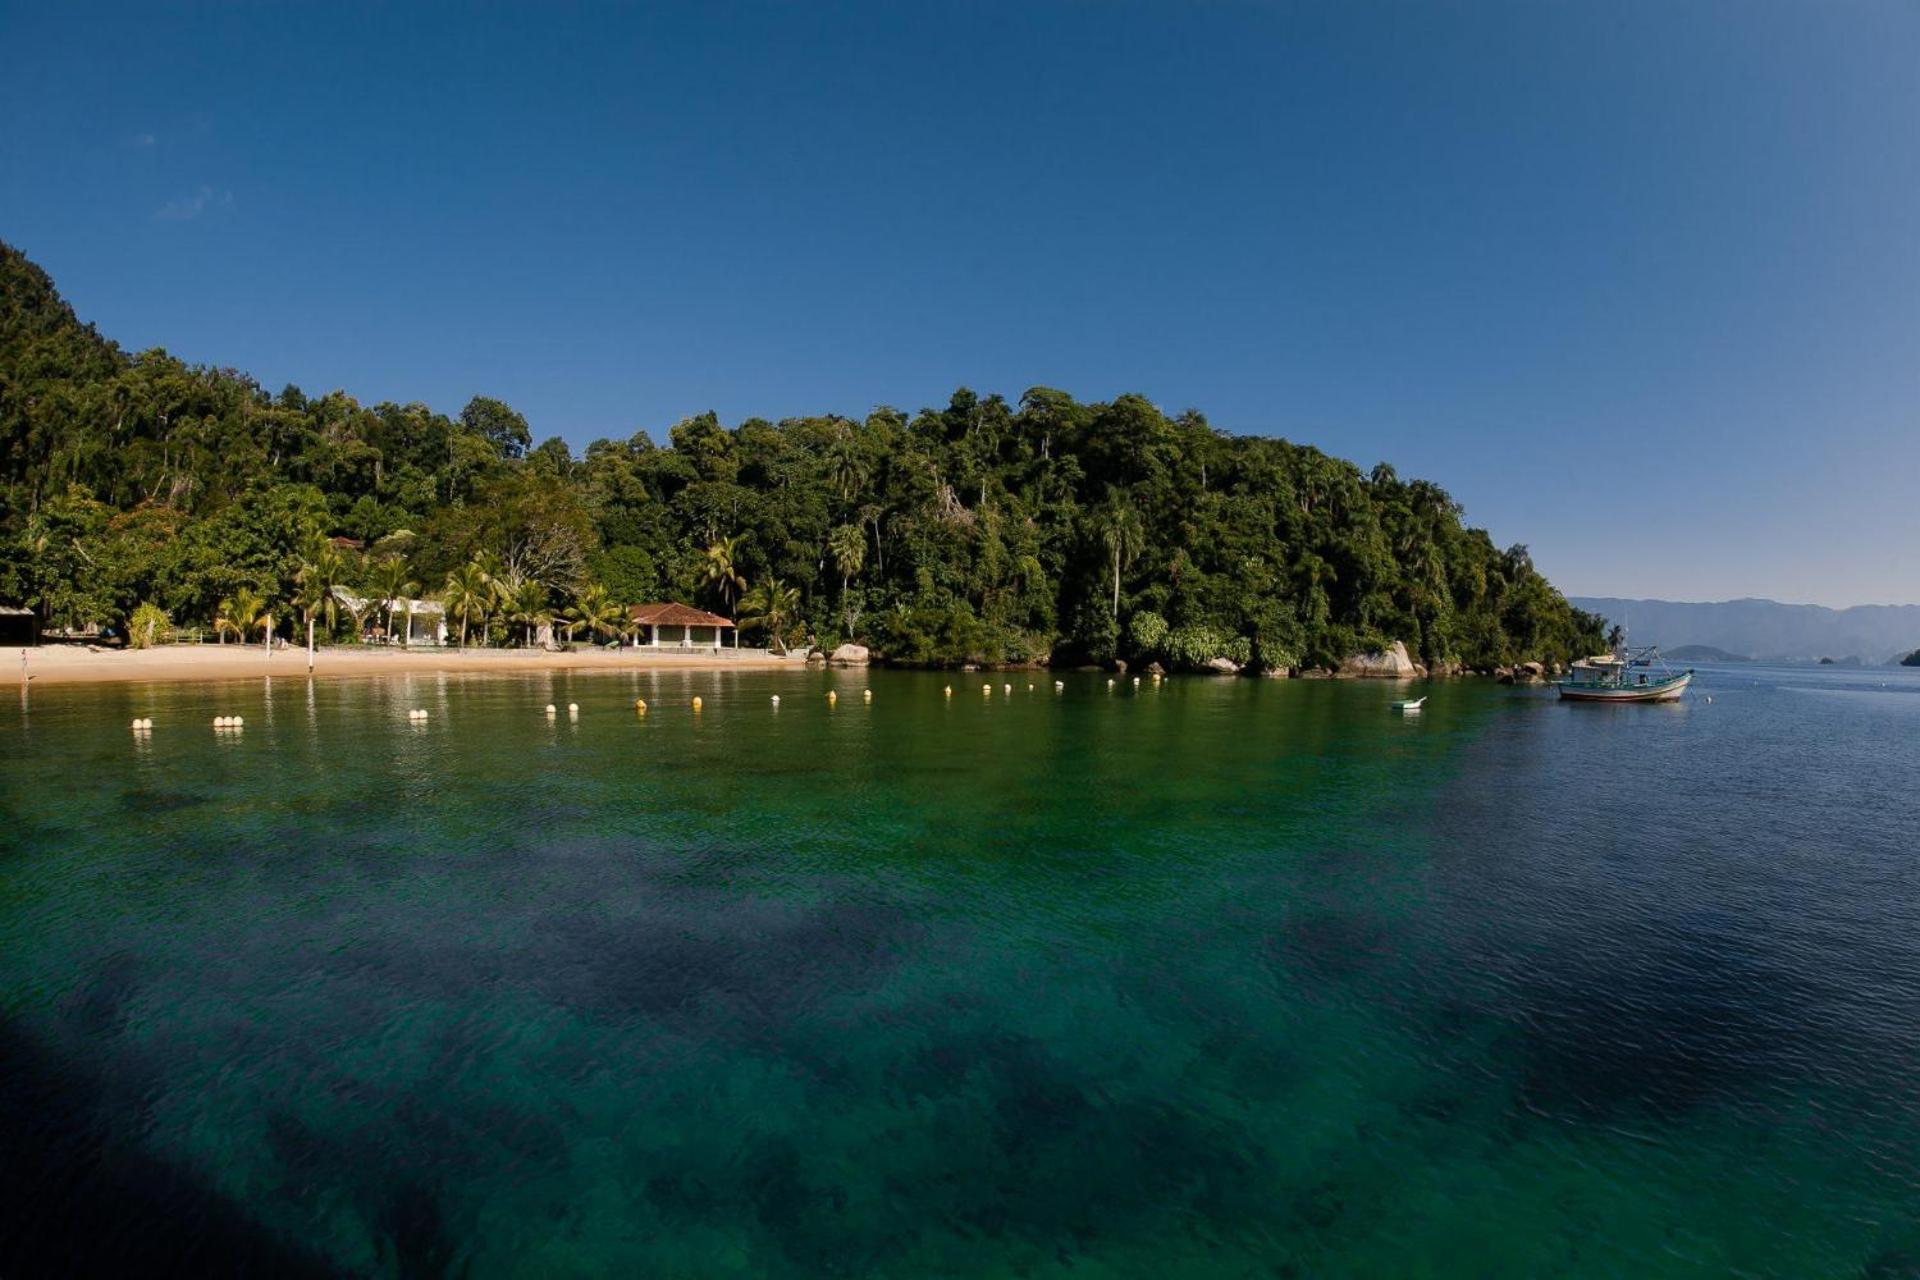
(143, 140)
(188, 207)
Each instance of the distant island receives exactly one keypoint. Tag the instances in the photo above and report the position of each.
(1911, 660)
(1704, 653)
(1765, 630)
(144, 494)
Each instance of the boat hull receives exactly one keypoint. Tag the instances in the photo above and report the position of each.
(1665, 691)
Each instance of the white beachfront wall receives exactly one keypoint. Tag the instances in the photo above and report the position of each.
(674, 636)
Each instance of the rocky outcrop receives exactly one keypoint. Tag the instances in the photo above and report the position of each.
(1155, 669)
(1222, 666)
(1391, 663)
(850, 655)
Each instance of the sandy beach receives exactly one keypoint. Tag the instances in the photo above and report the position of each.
(77, 664)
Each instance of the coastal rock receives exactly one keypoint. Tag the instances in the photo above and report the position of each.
(1531, 671)
(816, 658)
(850, 655)
(1392, 663)
(1120, 666)
(1223, 666)
(1155, 669)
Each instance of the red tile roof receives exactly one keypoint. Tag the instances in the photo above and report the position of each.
(675, 615)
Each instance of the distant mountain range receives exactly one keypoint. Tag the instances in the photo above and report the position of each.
(1767, 629)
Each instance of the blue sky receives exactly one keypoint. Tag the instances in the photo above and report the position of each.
(1638, 282)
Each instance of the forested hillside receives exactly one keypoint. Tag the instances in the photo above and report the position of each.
(983, 530)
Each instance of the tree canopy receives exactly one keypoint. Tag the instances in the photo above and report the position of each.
(982, 530)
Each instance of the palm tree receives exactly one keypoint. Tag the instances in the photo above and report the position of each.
(848, 546)
(720, 572)
(387, 579)
(243, 613)
(595, 609)
(845, 463)
(324, 570)
(770, 606)
(525, 602)
(1121, 532)
(468, 596)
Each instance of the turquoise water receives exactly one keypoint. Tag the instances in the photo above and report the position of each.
(1220, 978)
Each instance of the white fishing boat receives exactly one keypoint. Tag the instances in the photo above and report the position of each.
(1625, 675)
(1411, 704)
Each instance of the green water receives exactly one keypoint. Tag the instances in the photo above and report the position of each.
(1219, 978)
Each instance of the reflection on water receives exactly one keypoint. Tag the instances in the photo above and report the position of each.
(1215, 977)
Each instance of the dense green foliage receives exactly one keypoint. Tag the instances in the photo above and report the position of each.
(983, 530)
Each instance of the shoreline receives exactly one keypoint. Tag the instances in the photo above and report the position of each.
(76, 664)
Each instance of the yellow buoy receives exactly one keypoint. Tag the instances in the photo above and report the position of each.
(640, 706)
(832, 697)
(696, 703)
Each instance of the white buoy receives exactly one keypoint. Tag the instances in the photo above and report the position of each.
(239, 722)
(986, 691)
(1109, 684)
(866, 695)
(1006, 688)
(949, 691)
(776, 699)
(551, 711)
(1059, 686)
(1029, 688)
(573, 711)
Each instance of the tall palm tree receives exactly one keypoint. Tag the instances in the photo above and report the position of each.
(596, 610)
(848, 546)
(468, 596)
(720, 572)
(769, 607)
(387, 579)
(324, 570)
(1120, 530)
